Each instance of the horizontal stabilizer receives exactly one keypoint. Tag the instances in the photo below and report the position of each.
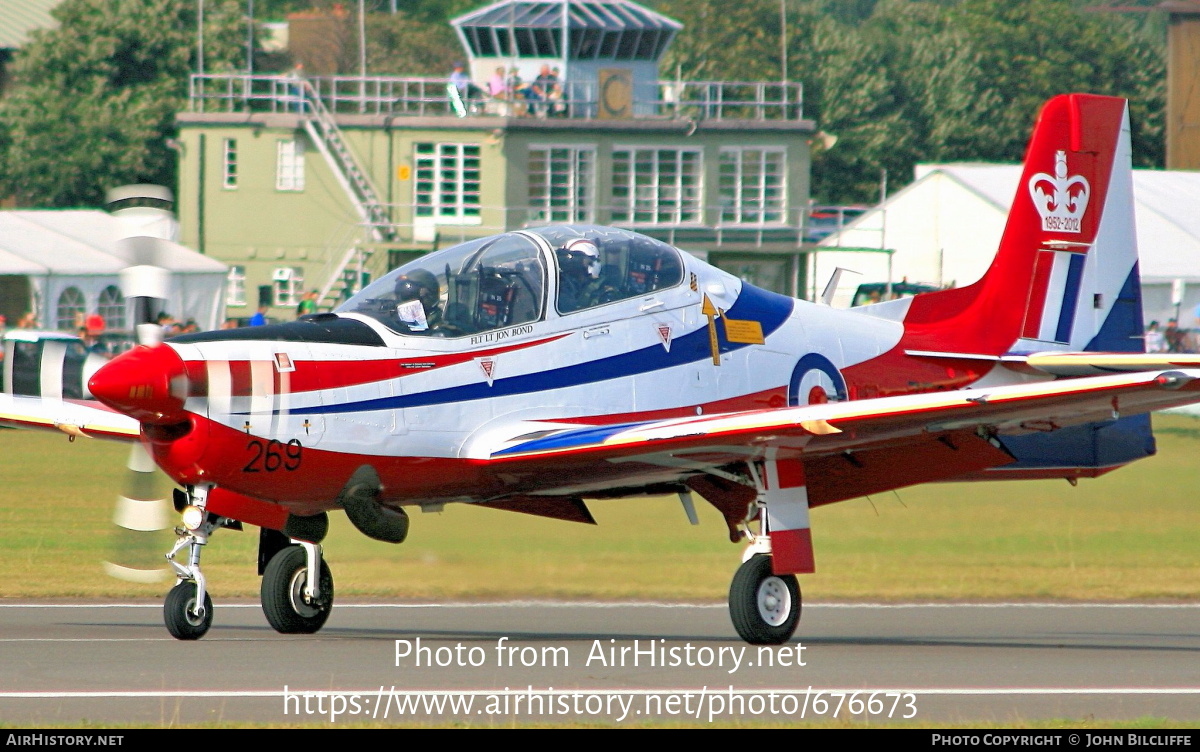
(1095, 363)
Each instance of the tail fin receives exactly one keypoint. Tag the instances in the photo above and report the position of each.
(1065, 276)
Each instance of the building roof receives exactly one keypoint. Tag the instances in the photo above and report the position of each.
(610, 15)
(995, 183)
(596, 30)
(1165, 201)
(79, 242)
(19, 17)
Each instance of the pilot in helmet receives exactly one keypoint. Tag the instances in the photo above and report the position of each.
(578, 275)
(417, 294)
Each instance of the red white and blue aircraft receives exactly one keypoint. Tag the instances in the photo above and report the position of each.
(538, 368)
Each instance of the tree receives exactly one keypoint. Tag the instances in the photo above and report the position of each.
(401, 46)
(906, 81)
(723, 41)
(1033, 49)
(94, 100)
(849, 93)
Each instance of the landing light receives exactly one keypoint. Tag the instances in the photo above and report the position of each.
(193, 517)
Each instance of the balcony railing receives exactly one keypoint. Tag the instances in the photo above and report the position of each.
(713, 227)
(402, 96)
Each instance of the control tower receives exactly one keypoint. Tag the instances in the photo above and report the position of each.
(607, 51)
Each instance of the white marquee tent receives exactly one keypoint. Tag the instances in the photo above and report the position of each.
(72, 260)
(945, 228)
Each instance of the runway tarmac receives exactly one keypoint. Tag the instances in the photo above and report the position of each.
(491, 663)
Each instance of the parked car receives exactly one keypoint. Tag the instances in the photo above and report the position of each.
(877, 292)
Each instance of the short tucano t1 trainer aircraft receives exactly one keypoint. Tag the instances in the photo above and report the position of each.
(534, 369)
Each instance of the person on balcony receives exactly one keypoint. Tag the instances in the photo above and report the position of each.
(518, 91)
(543, 87)
(497, 89)
(497, 85)
(295, 89)
(469, 94)
(557, 96)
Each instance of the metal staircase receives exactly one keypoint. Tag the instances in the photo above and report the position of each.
(345, 278)
(324, 132)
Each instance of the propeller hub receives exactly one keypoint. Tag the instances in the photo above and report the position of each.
(148, 384)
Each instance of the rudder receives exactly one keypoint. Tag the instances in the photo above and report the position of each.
(1065, 275)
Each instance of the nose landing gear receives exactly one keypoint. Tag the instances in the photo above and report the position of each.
(184, 620)
(188, 609)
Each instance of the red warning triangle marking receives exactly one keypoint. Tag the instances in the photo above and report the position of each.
(489, 367)
(664, 334)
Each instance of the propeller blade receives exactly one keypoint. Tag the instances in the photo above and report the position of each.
(147, 287)
(142, 514)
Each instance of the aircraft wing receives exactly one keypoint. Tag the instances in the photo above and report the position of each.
(856, 447)
(86, 418)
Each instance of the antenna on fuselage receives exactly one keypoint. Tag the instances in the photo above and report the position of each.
(832, 285)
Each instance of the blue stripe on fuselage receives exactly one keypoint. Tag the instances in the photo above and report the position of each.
(768, 308)
(570, 438)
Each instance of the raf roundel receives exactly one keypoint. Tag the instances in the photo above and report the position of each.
(815, 380)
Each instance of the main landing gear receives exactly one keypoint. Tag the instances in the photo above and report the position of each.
(294, 601)
(764, 607)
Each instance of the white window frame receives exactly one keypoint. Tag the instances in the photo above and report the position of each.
(745, 195)
(288, 283)
(448, 182)
(235, 285)
(289, 164)
(229, 164)
(110, 305)
(647, 190)
(570, 200)
(71, 309)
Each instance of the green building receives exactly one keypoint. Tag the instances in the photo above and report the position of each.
(321, 183)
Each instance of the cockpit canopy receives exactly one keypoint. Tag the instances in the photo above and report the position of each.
(505, 280)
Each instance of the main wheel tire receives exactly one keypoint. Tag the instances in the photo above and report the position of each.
(179, 612)
(764, 606)
(283, 593)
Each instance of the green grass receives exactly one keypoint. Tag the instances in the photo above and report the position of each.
(1129, 535)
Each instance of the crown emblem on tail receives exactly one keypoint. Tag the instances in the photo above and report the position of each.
(1061, 200)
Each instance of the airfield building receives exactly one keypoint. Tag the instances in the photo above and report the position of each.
(322, 182)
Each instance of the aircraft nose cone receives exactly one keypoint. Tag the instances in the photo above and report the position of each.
(146, 383)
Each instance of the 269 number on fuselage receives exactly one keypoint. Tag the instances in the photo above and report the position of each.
(270, 456)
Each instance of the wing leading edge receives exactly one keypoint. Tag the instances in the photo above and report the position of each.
(833, 428)
(74, 418)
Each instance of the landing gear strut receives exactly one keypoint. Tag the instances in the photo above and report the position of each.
(188, 610)
(293, 602)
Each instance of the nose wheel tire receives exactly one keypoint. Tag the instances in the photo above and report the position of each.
(179, 612)
(283, 600)
(764, 607)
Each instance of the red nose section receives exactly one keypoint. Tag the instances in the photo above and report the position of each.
(146, 383)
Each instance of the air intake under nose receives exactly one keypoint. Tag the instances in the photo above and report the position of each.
(146, 383)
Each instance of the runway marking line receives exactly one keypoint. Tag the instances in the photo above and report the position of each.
(941, 691)
(638, 604)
